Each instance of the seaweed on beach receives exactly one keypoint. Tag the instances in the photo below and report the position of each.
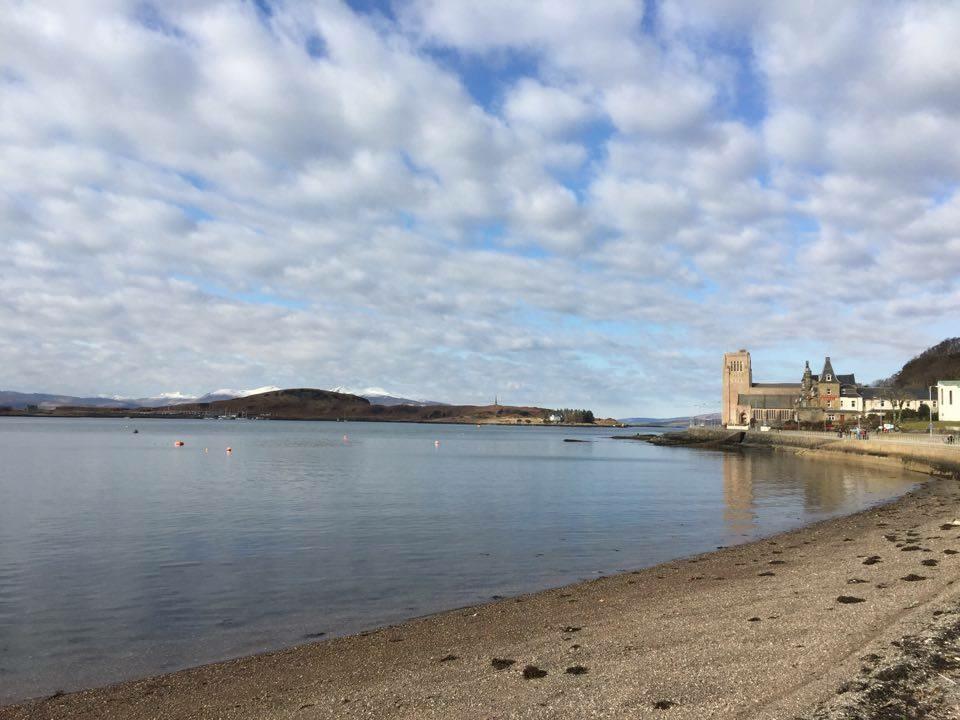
(916, 679)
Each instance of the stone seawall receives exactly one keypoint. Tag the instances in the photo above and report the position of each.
(931, 459)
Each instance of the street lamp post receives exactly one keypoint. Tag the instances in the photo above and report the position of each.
(930, 408)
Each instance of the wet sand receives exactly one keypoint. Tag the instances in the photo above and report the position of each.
(800, 624)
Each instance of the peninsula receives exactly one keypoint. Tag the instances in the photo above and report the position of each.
(314, 404)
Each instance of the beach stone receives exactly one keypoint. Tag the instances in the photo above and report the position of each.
(532, 672)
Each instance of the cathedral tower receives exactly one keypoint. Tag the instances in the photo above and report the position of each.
(737, 378)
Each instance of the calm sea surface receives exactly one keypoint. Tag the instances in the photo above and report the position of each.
(122, 556)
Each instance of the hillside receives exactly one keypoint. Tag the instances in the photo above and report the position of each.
(940, 362)
(313, 404)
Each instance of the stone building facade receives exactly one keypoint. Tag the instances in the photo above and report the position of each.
(827, 397)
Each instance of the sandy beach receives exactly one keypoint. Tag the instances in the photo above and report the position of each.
(852, 617)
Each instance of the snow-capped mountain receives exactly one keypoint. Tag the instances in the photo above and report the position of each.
(379, 396)
(19, 400)
(9, 398)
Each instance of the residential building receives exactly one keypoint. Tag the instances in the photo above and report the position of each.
(948, 394)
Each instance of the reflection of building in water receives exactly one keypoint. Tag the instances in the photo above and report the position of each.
(830, 487)
(761, 485)
(738, 512)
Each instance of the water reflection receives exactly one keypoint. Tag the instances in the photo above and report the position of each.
(756, 483)
(738, 504)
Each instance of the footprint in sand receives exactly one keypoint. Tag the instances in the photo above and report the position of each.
(948, 551)
(766, 574)
(576, 670)
(873, 560)
(929, 562)
(532, 672)
(663, 704)
(850, 599)
(913, 577)
(501, 663)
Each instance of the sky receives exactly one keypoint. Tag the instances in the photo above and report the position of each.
(567, 204)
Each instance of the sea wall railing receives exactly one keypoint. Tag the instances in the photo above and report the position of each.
(871, 437)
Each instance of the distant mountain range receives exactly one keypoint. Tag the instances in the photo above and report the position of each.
(20, 401)
(671, 422)
(379, 396)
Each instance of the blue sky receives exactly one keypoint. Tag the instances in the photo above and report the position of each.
(564, 204)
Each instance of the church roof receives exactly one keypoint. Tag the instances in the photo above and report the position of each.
(771, 402)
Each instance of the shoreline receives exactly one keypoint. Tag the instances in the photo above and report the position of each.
(712, 635)
(597, 425)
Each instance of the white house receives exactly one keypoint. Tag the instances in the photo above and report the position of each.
(948, 393)
(878, 400)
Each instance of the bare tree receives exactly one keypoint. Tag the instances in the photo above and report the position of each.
(898, 399)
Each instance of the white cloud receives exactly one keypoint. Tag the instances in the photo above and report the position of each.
(191, 199)
(549, 110)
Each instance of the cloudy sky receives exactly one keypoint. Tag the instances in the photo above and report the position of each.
(563, 203)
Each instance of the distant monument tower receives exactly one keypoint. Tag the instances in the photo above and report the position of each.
(737, 378)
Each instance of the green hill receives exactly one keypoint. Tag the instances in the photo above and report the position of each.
(940, 362)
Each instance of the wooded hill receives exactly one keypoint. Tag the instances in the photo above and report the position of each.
(940, 362)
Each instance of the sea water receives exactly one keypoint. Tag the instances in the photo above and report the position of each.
(122, 555)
